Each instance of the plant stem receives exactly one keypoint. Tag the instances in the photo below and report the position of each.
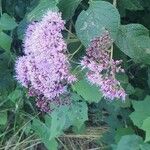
(111, 55)
(0, 7)
(115, 3)
(72, 55)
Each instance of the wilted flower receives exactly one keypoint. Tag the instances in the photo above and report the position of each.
(102, 69)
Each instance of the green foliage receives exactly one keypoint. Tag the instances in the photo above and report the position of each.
(78, 114)
(41, 9)
(130, 142)
(134, 41)
(121, 132)
(68, 7)
(3, 118)
(138, 116)
(145, 127)
(89, 92)
(85, 19)
(5, 41)
(7, 22)
(43, 130)
(58, 121)
(131, 5)
(93, 22)
(15, 95)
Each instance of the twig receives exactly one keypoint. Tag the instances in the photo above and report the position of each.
(111, 55)
(75, 51)
(115, 3)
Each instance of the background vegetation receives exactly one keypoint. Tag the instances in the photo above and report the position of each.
(126, 124)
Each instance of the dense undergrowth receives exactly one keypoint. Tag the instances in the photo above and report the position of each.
(23, 126)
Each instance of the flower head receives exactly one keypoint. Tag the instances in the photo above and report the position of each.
(102, 69)
(45, 68)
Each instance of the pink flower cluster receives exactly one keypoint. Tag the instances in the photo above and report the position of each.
(102, 69)
(45, 68)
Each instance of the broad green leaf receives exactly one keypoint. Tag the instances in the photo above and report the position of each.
(3, 118)
(145, 146)
(51, 145)
(68, 7)
(7, 22)
(100, 15)
(41, 129)
(130, 142)
(41, 9)
(134, 41)
(58, 120)
(44, 132)
(5, 41)
(89, 92)
(146, 128)
(141, 111)
(78, 114)
(121, 132)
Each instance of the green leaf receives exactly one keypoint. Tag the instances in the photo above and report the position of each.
(121, 132)
(130, 89)
(120, 104)
(145, 146)
(129, 142)
(146, 128)
(141, 112)
(51, 145)
(75, 97)
(7, 22)
(44, 132)
(134, 41)
(68, 7)
(131, 4)
(41, 129)
(3, 118)
(89, 92)
(100, 15)
(78, 114)
(15, 95)
(22, 28)
(43, 6)
(5, 41)
(58, 120)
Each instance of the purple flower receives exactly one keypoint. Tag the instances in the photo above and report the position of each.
(45, 69)
(45, 36)
(102, 69)
(21, 69)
